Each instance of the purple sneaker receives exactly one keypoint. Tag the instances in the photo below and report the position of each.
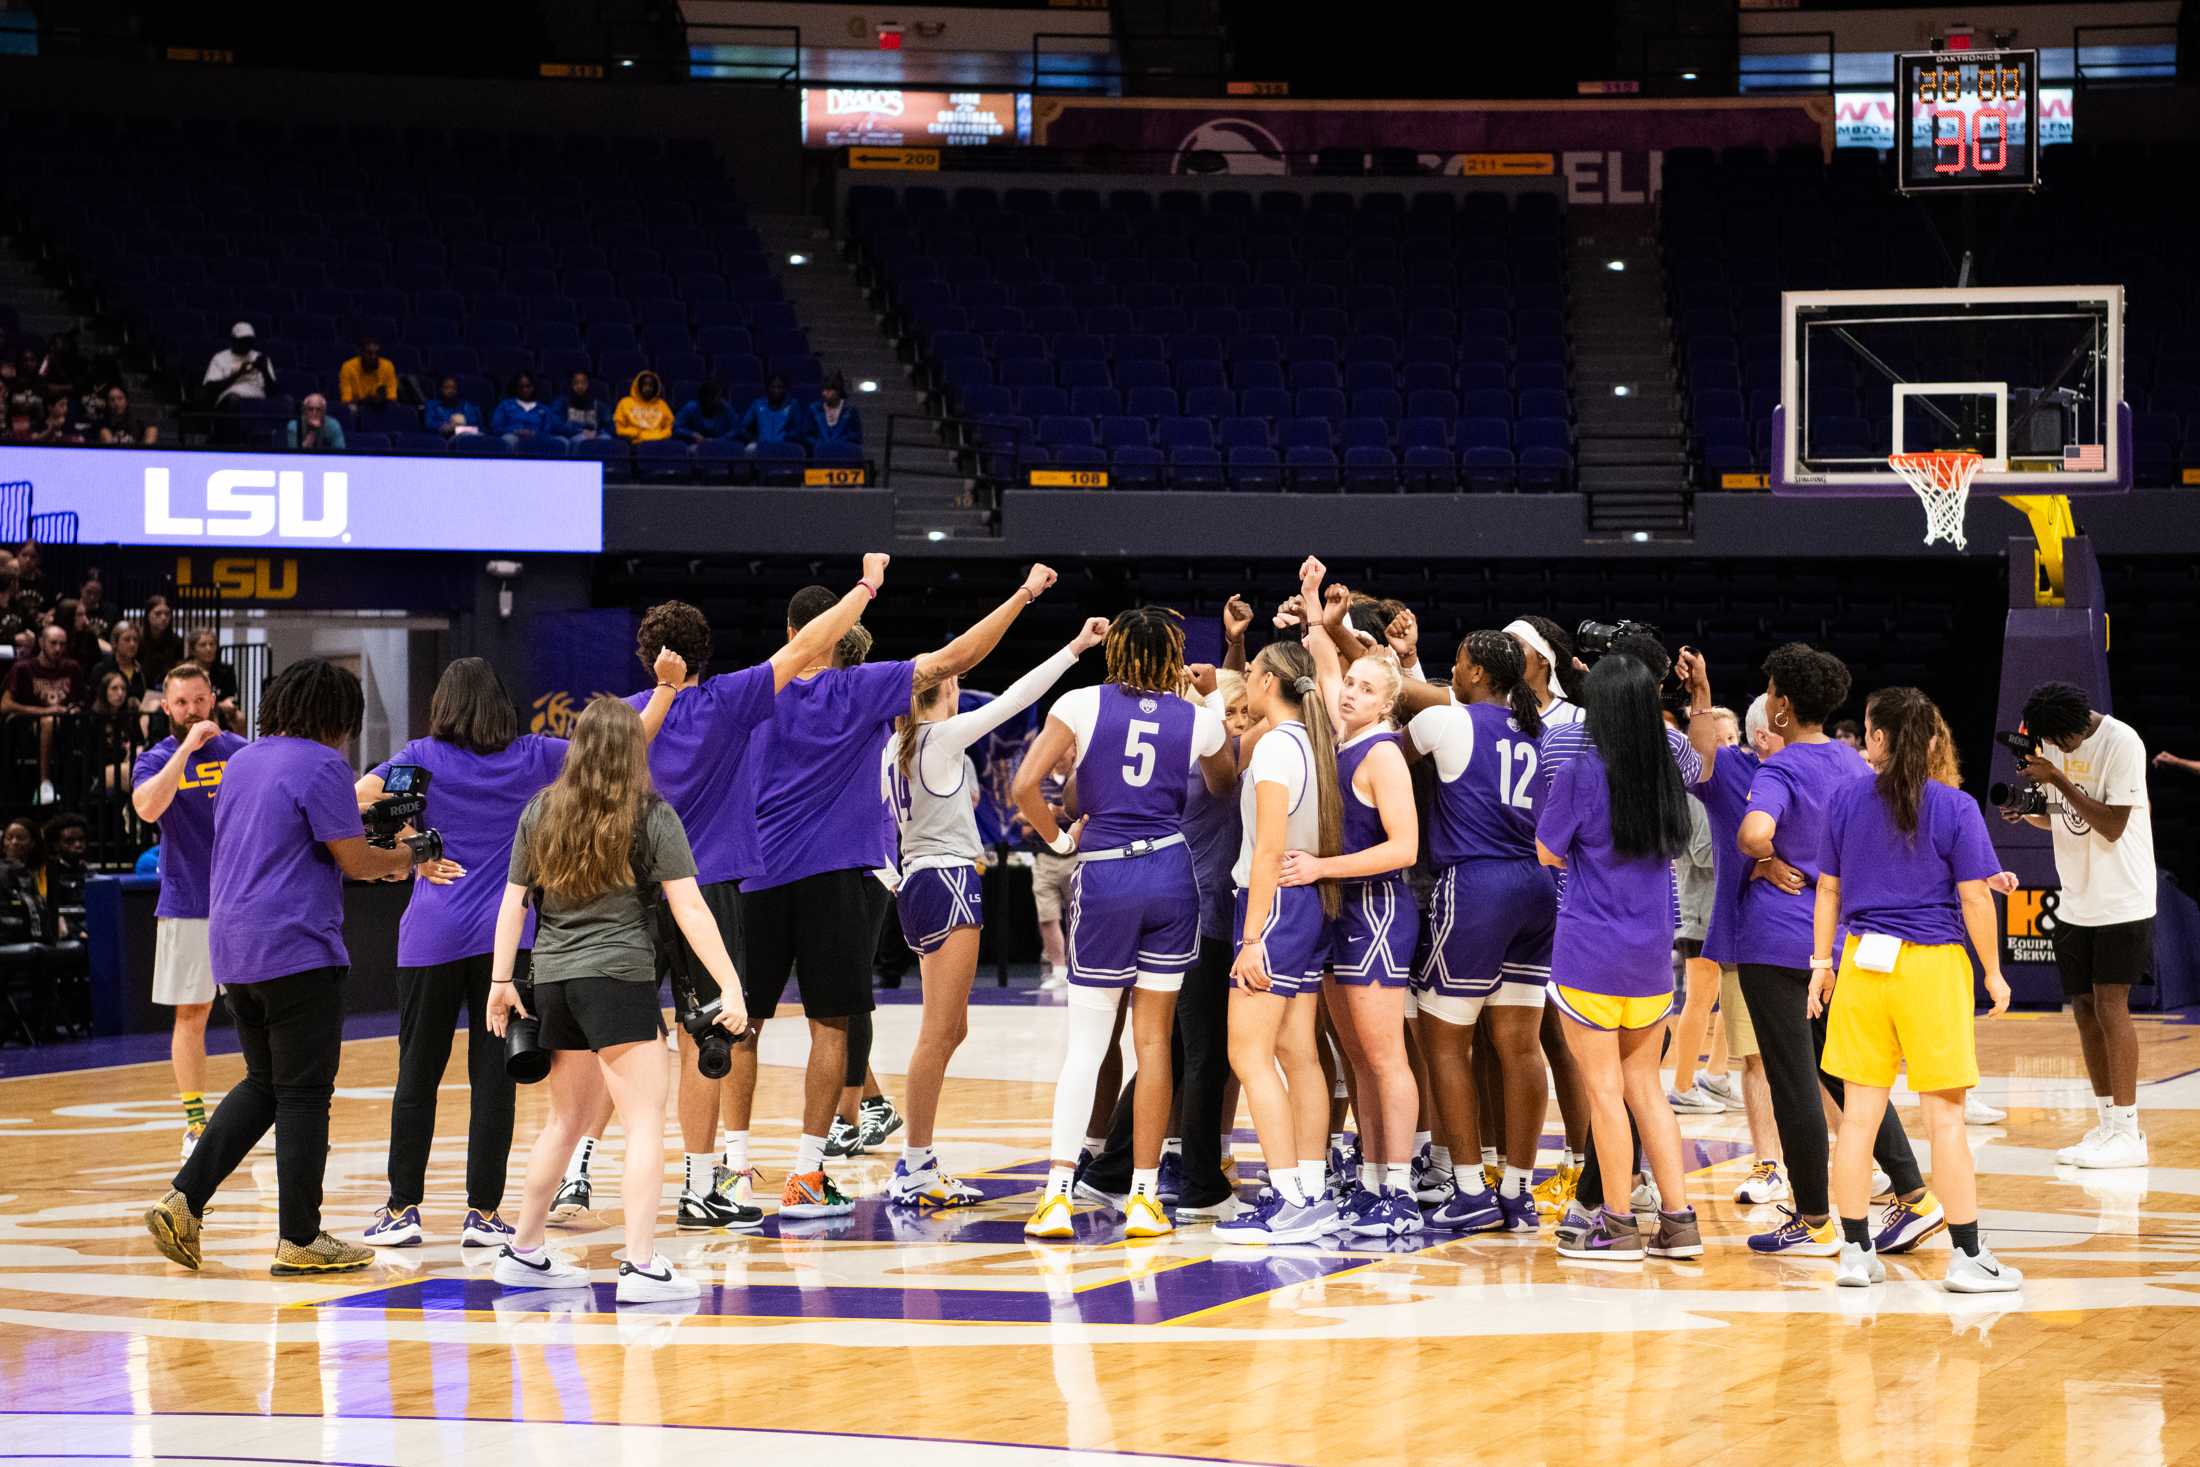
(1519, 1211)
(1394, 1215)
(399, 1229)
(1355, 1207)
(1608, 1237)
(1169, 1185)
(1468, 1212)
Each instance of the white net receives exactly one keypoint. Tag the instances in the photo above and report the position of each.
(1943, 484)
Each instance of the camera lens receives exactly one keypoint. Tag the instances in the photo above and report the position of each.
(713, 1055)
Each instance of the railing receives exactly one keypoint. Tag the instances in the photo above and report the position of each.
(1794, 70)
(2132, 71)
(979, 459)
(754, 58)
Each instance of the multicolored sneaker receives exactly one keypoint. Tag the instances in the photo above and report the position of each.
(928, 1186)
(1907, 1224)
(192, 1131)
(484, 1230)
(1573, 1225)
(1394, 1215)
(1611, 1236)
(1358, 1205)
(1677, 1236)
(1468, 1212)
(1054, 1217)
(1798, 1239)
(843, 1139)
(1766, 1183)
(570, 1206)
(699, 1210)
(812, 1194)
(175, 1230)
(1277, 1220)
(1493, 1175)
(1519, 1212)
(1144, 1218)
(876, 1119)
(324, 1254)
(1720, 1088)
(735, 1198)
(399, 1229)
(1555, 1191)
(1169, 1185)
(1343, 1170)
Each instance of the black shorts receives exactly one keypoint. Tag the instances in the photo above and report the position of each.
(1690, 948)
(677, 961)
(597, 1013)
(2121, 952)
(822, 929)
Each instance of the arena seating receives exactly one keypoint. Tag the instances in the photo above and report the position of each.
(1216, 338)
(475, 254)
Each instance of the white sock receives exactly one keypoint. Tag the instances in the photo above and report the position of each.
(1489, 1156)
(2124, 1119)
(1371, 1176)
(1423, 1141)
(2101, 1104)
(1286, 1181)
(915, 1157)
(1469, 1179)
(737, 1150)
(1397, 1176)
(576, 1166)
(1145, 1181)
(1313, 1179)
(527, 1252)
(1516, 1180)
(1336, 1141)
(1096, 1144)
(809, 1155)
(1172, 1146)
(1060, 1180)
(1568, 1160)
(1061, 971)
(1439, 1158)
(699, 1164)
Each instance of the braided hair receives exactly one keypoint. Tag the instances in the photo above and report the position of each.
(313, 699)
(1506, 666)
(1145, 650)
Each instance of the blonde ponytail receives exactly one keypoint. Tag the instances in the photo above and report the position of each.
(1293, 667)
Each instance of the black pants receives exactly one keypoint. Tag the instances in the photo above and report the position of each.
(291, 1030)
(428, 1004)
(1589, 1189)
(1199, 1057)
(1791, 1042)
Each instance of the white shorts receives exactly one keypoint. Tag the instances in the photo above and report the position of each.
(183, 964)
(1453, 1009)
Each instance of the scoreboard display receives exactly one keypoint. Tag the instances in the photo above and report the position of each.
(1973, 120)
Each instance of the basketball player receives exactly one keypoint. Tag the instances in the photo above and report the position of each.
(175, 783)
(930, 783)
(805, 910)
(1917, 864)
(1134, 902)
(1050, 876)
(697, 762)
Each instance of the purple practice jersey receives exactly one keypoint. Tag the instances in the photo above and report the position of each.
(1363, 823)
(1485, 791)
(1133, 750)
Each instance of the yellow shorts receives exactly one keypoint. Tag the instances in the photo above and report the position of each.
(1608, 1011)
(1921, 1014)
(1741, 1035)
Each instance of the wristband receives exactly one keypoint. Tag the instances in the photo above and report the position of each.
(1027, 594)
(493, 982)
(1062, 844)
(674, 686)
(870, 587)
(1817, 963)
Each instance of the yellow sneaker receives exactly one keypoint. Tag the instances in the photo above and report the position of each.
(324, 1254)
(1493, 1177)
(175, 1231)
(1143, 1218)
(1052, 1218)
(1555, 1191)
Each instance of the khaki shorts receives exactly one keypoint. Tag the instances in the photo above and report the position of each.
(1741, 1035)
(183, 964)
(1050, 876)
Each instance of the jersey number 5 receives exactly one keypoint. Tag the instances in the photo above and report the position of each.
(1510, 790)
(1138, 752)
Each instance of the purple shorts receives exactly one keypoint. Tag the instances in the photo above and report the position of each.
(1134, 920)
(933, 902)
(1297, 938)
(1488, 921)
(1374, 934)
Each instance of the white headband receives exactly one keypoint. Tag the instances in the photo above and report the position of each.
(1527, 633)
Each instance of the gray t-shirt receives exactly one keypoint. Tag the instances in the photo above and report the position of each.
(608, 937)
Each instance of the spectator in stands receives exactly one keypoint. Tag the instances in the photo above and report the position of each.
(60, 427)
(20, 853)
(580, 414)
(30, 579)
(707, 415)
(450, 414)
(83, 647)
(63, 369)
(21, 426)
(26, 644)
(162, 648)
(93, 598)
(773, 418)
(205, 648)
(238, 375)
(118, 426)
(313, 430)
(45, 687)
(67, 839)
(367, 377)
(644, 416)
(127, 661)
(833, 418)
(12, 621)
(522, 415)
(26, 394)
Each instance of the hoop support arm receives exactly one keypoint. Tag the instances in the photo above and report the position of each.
(2052, 524)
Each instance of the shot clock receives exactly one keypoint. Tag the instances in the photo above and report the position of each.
(1973, 120)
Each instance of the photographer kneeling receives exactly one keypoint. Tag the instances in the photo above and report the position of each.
(286, 833)
(590, 850)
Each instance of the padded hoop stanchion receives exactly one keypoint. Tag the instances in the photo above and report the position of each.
(1942, 480)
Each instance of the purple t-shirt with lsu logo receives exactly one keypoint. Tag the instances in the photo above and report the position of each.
(813, 768)
(697, 762)
(475, 800)
(278, 897)
(1615, 917)
(1794, 787)
(187, 827)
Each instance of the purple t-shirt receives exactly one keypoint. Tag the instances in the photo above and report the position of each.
(814, 769)
(278, 903)
(475, 800)
(1794, 787)
(697, 762)
(1211, 829)
(1725, 796)
(187, 827)
(1615, 917)
(1898, 885)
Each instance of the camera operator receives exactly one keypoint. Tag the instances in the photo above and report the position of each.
(2094, 771)
(593, 850)
(482, 772)
(286, 833)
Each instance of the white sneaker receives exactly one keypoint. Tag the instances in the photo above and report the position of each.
(1982, 1274)
(2068, 1156)
(1859, 1268)
(1720, 1088)
(1694, 1102)
(658, 1281)
(1766, 1183)
(1646, 1200)
(546, 1270)
(1977, 1112)
(1882, 1184)
(2112, 1148)
(1054, 982)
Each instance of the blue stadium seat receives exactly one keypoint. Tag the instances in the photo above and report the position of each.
(1136, 467)
(1311, 470)
(1192, 466)
(1368, 468)
(1255, 469)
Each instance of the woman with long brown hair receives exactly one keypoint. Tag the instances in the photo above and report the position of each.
(588, 852)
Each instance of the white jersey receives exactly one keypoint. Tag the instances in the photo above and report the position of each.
(1283, 756)
(935, 803)
(2104, 881)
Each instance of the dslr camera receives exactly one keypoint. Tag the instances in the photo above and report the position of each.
(1595, 638)
(713, 1045)
(2026, 799)
(404, 800)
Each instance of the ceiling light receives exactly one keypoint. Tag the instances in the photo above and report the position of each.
(798, 258)
(935, 536)
(867, 385)
(1615, 266)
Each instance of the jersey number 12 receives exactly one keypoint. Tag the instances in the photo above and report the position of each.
(1513, 791)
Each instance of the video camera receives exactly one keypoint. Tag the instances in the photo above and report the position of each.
(1595, 638)
(2028, 799)
(404, 800)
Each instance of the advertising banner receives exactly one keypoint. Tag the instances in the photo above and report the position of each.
(576, 655)
(889, 117)
(1607, 153)
(314, 501)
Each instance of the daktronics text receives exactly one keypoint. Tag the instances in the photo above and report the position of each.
(252, 504)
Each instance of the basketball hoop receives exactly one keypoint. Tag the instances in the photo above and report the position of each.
(1942, 480)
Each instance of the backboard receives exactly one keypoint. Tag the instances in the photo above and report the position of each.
(2029, 377)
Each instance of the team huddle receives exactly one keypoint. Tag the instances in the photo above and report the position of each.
(1390, 913)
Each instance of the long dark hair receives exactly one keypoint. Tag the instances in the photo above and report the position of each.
(471, 708)
(1293, 668)
(312, 699)
(1506, 666)
(1649, 807)
(1910, 721)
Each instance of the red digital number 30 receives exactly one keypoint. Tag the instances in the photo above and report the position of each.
(1970, 140)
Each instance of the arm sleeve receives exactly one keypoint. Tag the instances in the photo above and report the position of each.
(1447, 732)
(951, 736)
(331, 807)
(1207, 733)
(1555, 819)
(1079, 710)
